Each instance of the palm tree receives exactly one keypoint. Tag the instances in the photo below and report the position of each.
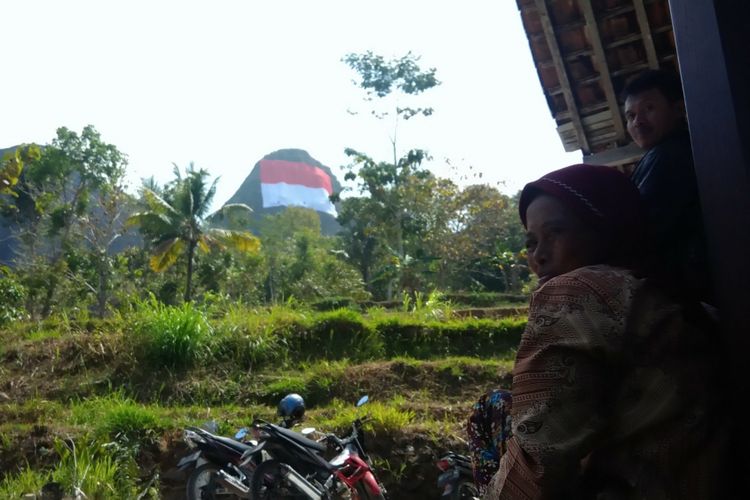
(176, 221)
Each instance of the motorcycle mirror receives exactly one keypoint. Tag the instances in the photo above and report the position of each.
(307, 430)
(241, 433)
(364, 399)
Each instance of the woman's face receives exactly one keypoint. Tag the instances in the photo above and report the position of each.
(557, 241)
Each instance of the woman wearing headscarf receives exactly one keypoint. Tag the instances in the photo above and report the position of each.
(614, 391)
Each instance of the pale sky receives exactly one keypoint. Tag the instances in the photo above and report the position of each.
(223, 83)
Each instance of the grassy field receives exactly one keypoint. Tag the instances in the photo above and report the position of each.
(101, 405)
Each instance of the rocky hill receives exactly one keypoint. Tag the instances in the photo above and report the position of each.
(290, 177)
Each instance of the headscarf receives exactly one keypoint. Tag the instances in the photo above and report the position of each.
(603, 198)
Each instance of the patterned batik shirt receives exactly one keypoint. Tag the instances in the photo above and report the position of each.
(614, 396)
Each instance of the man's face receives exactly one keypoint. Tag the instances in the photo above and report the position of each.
(557, 241)
(651, 117)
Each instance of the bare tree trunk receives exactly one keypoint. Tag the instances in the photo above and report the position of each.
(101, 295)
(191, 253)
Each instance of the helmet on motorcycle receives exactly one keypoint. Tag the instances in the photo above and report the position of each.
(292, 406)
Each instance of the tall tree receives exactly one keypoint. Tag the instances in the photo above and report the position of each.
(101, 228)
(383, 229)
(177, 222)
(11, 166)
(303, 263)
(481, 243)
(55, 193)
(388, 83)
(380, 224)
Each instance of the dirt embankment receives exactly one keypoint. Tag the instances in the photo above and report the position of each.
(83, 365)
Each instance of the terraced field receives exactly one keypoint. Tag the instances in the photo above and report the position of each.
(96, 392)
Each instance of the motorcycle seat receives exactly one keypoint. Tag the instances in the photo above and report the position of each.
(229, 442)
(299, 438)
(240, 447)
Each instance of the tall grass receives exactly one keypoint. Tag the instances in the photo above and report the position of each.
(25, 482)
(379, 417)
(170, 336)
(89, 468)
(84, 470)
(117, 416)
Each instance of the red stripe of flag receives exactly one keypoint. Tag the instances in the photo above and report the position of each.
(292, 172)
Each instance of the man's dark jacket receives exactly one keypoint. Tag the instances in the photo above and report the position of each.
(665, 176)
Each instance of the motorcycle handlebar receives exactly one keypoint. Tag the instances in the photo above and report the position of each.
(356, 428)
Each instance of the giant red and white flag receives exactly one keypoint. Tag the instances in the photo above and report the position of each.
(284, 183)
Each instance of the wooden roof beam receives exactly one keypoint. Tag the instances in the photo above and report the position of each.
(600, 59)
(554, 49)
(648, 39)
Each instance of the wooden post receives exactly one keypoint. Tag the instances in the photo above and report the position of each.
(712, 49)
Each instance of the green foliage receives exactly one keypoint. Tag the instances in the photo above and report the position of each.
(116, 416)
(301, 262)
(12, 295)
(170, 336)
(410, 231)
(130, 421)
(316, 381)
(11, 167)
(380, 233)
(61, 188)
(427, 307)
(250, 337)
(25, 482)
(90, 469)
(380, 417)
(284, 385)
(333, 303)
(340, 334)
(486, 299)
(175, 223)
(381, 77)
(403, 336)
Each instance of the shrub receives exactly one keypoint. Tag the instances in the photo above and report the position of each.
(408, 337)
(12, 295)
(337, 335)
(333, 303)
(315, 384)
(481, 338)
(129, 420)
(283, 386)
(252, 337)
(486, 299)
(172, 336)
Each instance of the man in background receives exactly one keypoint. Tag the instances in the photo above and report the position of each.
(665, 176)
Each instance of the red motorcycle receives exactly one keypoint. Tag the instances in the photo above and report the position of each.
(298, 470)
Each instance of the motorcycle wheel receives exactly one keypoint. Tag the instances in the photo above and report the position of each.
(364, 493)
(267, 483)
(198, 482)
(465, 490)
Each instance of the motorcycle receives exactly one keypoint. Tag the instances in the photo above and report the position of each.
(298, 469)
(222, 466)
(214, 454)
(456, 479)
